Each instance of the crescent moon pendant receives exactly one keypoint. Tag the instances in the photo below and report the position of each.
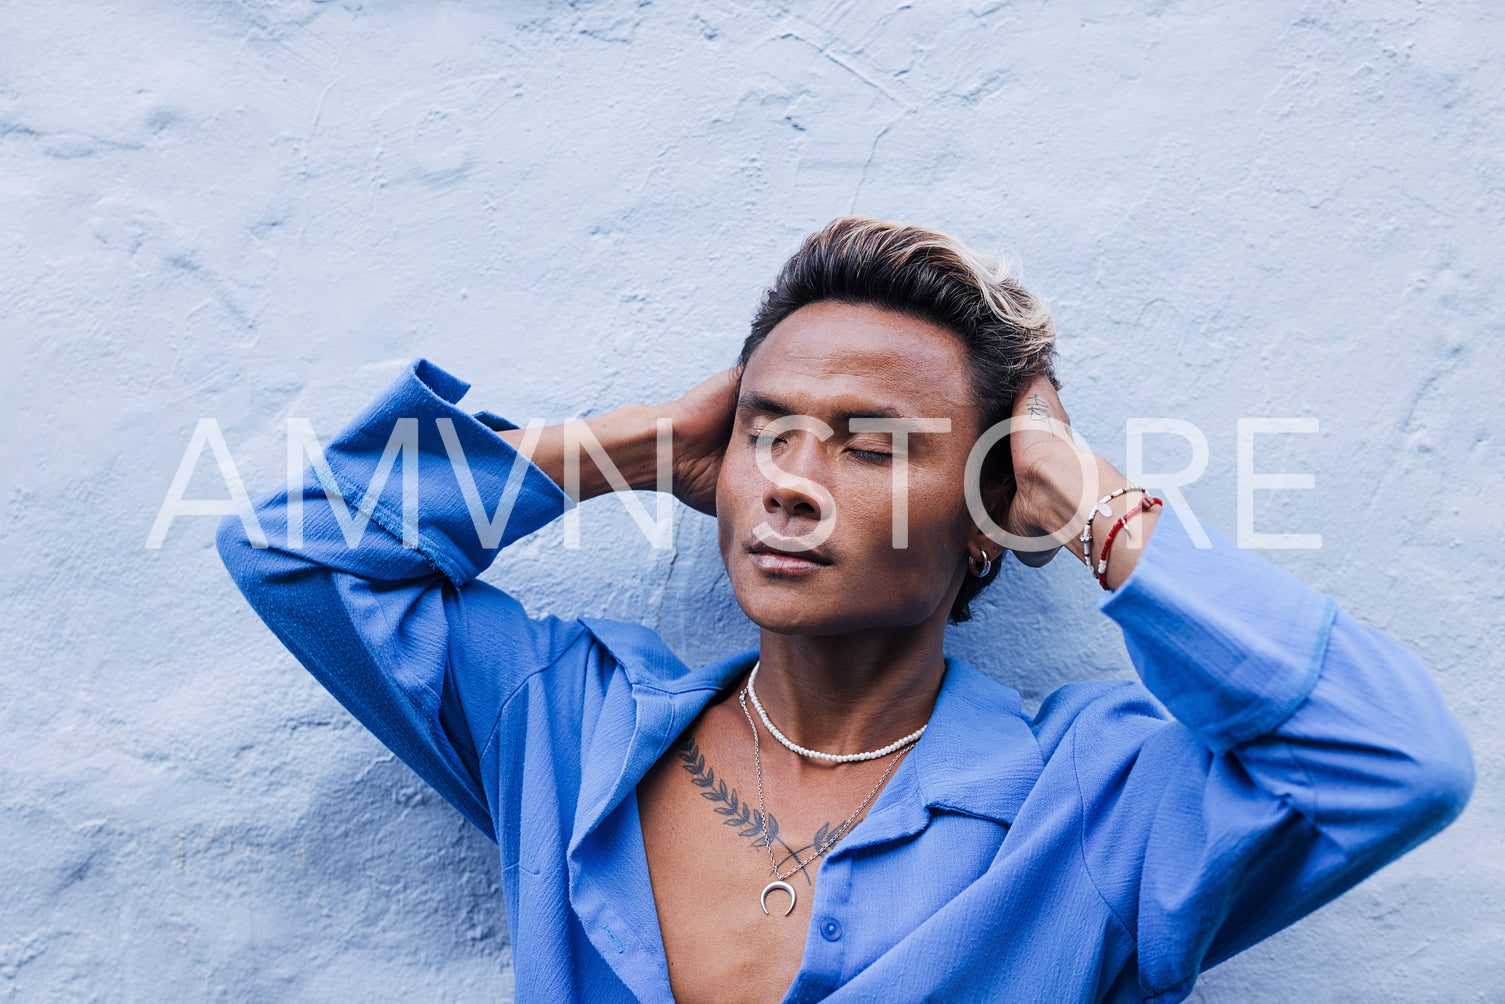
(770, 887)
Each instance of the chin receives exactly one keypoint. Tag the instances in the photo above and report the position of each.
(785, 614)
(795, 612)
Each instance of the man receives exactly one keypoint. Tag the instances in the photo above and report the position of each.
(845, 813)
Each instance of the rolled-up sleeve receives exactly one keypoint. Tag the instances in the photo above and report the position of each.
(387, 614)
(1319, 750)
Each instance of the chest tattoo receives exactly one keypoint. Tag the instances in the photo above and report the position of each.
(738, 813)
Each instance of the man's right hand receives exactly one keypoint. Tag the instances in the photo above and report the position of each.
(702, 427)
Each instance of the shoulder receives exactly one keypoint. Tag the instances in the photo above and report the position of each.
(645, 660)
(1110, 712)
(615, 671)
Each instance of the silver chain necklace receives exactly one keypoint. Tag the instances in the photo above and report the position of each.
(814, 754)
(831, 838)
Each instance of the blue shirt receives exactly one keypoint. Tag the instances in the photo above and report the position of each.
(1099, 851)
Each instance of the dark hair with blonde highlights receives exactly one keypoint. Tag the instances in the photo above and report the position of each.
(1008, 332)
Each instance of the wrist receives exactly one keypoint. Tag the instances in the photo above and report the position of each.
(629, 436)
(1068, 497)
(572, 454)
(1118, 552)
(1117, 502)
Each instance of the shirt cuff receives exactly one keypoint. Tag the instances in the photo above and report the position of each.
(1230, 644)
(464, 512)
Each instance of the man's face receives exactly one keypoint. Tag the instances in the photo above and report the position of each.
(833, 362)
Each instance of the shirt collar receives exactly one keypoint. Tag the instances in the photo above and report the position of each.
(978, 755)
(668, 696)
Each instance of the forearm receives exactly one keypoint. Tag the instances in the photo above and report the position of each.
(627, 435)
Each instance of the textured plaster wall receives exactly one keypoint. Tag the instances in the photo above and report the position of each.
(251, 211)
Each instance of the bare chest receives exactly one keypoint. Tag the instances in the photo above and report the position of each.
(709, 861)
(709, 864)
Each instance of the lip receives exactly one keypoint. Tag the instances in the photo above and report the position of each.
(771, 560)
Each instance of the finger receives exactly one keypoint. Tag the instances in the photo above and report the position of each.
(1036, 559)
(719, 385)
(1043, 549)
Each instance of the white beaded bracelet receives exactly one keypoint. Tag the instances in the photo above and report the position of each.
(1102, 507)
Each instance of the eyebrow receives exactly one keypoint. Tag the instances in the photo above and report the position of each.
(754, 403)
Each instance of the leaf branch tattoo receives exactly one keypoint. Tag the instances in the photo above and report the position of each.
(738, 812)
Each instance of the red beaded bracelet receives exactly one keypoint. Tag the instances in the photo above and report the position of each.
(1145, 505)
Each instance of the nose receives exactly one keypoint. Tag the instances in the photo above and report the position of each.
(795, 486)
(796, 483)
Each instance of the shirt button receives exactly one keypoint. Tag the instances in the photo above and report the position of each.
(830, 929)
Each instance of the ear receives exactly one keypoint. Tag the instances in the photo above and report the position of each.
(997, 497)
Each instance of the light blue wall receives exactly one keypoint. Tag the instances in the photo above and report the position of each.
(251, 211)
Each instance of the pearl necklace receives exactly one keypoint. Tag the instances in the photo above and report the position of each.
(815, 754)
(831, 837)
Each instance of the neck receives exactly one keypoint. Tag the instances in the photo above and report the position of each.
(850, 693)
